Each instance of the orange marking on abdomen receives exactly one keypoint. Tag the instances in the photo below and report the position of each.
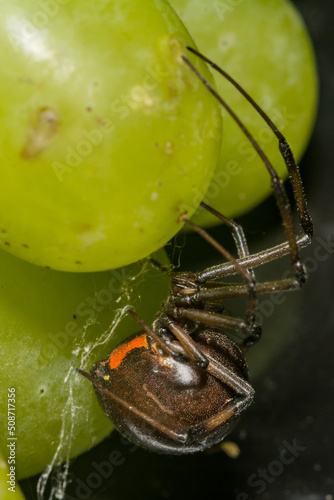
(117, 356)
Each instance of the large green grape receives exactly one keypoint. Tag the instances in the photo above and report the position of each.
(50, 323)
(105, 132)
(264, 45)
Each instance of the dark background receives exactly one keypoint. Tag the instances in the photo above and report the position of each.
(291, 368)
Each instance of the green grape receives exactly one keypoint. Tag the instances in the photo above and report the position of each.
(105, 132)
(50, 323)
(263, 45)
(9, 490)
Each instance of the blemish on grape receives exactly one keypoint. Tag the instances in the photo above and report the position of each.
(41, 132)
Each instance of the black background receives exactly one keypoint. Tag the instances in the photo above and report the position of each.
(291, 368)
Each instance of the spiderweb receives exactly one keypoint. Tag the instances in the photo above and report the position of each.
(53, 481)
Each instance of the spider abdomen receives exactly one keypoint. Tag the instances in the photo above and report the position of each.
(174, 394)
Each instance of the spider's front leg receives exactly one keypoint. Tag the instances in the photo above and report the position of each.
(279, 191)
(284, 148)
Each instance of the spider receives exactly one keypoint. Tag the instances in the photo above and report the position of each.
(180, 386)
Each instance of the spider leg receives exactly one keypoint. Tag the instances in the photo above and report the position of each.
(276, 183)
(223, 291)
(164, 346)
(244, 391)
(236, 290)
(244, 394)
(237, 231)
(249, 326)
(210, 318)
(254, 260)
(189, 346)
(243, 252)
(284, 148)
(181, 437)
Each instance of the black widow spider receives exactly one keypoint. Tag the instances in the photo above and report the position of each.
(180, 386)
